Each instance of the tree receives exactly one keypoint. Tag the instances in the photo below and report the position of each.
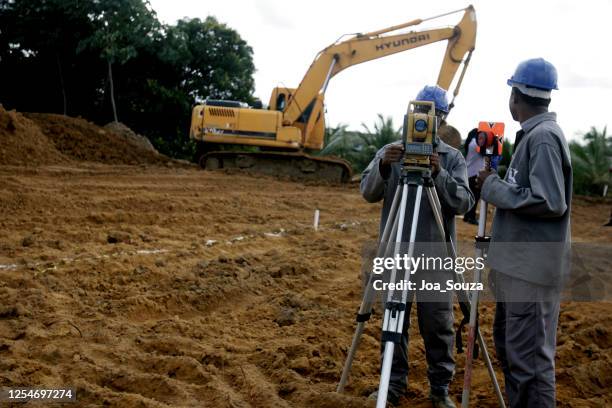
(199, 60)
(592, 162)
(504, 162)
(121, 28)
(102, 59)
(38, 40)
(359, 148)
(382, 134)
(211, 59)
(334, 141)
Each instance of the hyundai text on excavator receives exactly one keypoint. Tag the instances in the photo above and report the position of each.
(294, 119)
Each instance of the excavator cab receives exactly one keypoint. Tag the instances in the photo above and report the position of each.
(312, 120)
(280, 98)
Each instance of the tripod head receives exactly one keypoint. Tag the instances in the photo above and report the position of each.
(419, 135)
(489, 141)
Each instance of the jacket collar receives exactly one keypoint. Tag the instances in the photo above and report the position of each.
(532, 122)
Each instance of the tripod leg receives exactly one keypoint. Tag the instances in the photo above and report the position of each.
(464, 297)
(484, 351)
(394, 315)
(383, 248)
(365, 309)
(472, 325)
(487, 358)
(436, 207)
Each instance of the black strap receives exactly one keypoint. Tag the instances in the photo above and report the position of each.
(466, 319)
(391, 336)
(363, 317)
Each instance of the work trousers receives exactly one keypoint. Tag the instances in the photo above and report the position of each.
(435, 319)
(525, 340)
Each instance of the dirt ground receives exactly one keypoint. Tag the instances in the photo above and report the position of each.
(148, 286)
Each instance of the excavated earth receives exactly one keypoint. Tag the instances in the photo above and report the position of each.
(153, 286)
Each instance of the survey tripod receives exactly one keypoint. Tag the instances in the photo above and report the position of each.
(489, 144)
(481, 244)
(412, 179)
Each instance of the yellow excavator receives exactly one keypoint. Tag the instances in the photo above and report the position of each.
(294, 119)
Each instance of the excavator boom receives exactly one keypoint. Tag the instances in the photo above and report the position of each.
(370, 46)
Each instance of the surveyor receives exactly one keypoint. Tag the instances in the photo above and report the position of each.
(529, 239)
(379, 181)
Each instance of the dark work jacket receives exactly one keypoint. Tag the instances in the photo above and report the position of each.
(531, 228)
(451, 184)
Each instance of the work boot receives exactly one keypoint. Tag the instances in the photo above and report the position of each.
(441, 401)
(392, 398)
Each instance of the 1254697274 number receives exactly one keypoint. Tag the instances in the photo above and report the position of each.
(22, 394)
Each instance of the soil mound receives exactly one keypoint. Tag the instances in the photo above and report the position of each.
(133, 137)
(81, 140)
(23, 144)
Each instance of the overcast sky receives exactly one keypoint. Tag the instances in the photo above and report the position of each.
(286, 35)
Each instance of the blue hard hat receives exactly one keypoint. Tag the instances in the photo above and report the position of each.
(436, 95)
(535, 73)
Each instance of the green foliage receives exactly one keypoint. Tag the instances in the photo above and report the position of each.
(121, 28)
(213, 60)
(57, 53)
(332, 133)
(359, 148)
(506, 153)
(592, 162)
(338, 141)
(383, 133)
(40, 67)
(503, 164)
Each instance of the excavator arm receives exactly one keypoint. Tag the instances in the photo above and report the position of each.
(378, 44)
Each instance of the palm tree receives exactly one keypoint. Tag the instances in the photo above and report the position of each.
(359, 148)
(384, 133)
(373, 140)
(592, 162)
(335, 141)
(504, 162)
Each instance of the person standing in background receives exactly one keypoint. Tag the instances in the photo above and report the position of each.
(474, 162)
(450, 135)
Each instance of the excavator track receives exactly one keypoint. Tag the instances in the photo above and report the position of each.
(295, 165)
